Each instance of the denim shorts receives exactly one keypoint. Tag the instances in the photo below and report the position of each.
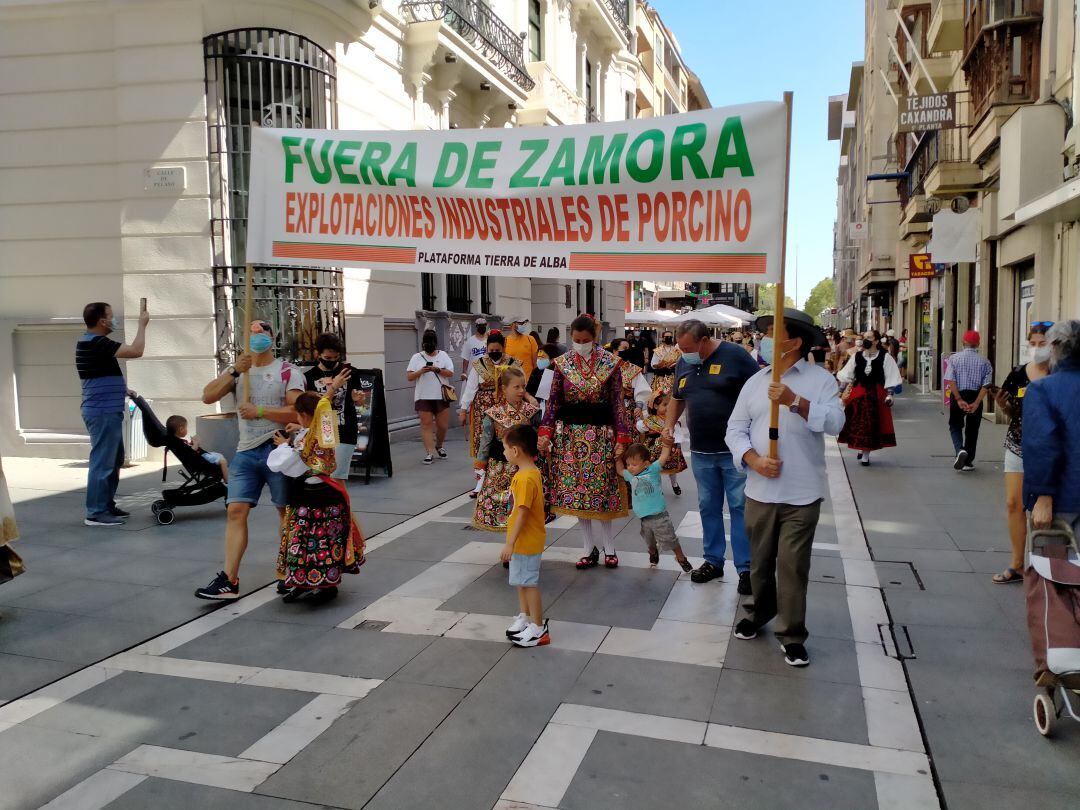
(525, 570)
(343, 460)
(1013, 462)
(248, 474)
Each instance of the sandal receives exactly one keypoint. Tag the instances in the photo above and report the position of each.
(1007, 576)
(676, 489)
(654, 556)
(612, 561)
(685, 565)
(591, 560)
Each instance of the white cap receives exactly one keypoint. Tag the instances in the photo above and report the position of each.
(891, 333)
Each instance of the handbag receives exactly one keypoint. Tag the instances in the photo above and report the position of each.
(448, 393)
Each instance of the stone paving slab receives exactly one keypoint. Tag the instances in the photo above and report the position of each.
(453, 662)
(165, 794)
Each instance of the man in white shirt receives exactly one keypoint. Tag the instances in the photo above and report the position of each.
(475, 346)
(783, 495)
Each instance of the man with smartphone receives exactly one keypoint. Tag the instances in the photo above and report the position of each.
(103, 394)
(331, 377)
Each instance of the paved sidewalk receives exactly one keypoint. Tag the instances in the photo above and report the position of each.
(937, 537)
(404, 692)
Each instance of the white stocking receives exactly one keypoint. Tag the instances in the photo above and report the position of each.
(674, 480)
(479, 480)
(588, 541)
(605, 531)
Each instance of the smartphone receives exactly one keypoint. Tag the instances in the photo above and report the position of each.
(142, 305)
(429, 363)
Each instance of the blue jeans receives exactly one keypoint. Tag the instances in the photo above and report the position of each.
(717, 478)
(106, 458)
(248, 474)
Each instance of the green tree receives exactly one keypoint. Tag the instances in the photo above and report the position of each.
(767, 300)
(822, 297)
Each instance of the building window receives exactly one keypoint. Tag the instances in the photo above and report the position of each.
(590, 298)
(485, 295)
(427, 291)
(590, 101)
(457, 293)
(631, 112)
(264, 77)
(536, 41)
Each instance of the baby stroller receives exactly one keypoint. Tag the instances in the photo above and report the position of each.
(1052, 586)
(202, 480)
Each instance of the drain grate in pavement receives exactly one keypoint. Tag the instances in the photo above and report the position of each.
(371, 624)
(896, 641)
(899, 572)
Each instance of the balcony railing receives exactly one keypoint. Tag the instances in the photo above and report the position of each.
(988, 15)
(478, 25)
(591, 116)
(620, 10)
(932, 148)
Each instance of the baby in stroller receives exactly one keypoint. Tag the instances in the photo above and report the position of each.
(178, 426)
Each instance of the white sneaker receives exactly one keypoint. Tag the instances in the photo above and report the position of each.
(428, 460)
(519, 624)
(532, 636)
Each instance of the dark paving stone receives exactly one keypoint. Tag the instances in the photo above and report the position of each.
(165, 794)
(165, 607)
(33, 580)
(827, 569)
(831, 659)
(970, 649)
(653, 687)
(635, 773)
(491, 593)
(990, 562)
(827, 611)
(354, 758)
(882, 543)
(193, 715)
(37, 764)
(928, 559)
(353, 653)
(431, 543)
(968, 796)
(22, 674)
(454, 662)
(63, 637)
(80, 596)
(250, 643)
(148, 570)
(922, 607)
(371, 523)
(790, 705)
(625, 597)
(500, 720)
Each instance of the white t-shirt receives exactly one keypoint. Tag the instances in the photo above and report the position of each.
(269, 385)
(429, 384)
(473, 347)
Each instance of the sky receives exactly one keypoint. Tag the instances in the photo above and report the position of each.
(754, 50)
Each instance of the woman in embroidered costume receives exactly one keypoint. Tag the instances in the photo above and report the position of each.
(870, 375)
(664, 358)
(584, 427)
(510, 409)
(649, 428)
(636, 391)
(319, 537)
(479, 393)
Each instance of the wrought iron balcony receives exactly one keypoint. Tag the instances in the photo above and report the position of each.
(620, 10)
(478, 25)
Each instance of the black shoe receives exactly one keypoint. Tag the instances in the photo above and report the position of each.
(282, 588)
(745, 630)
(961, 460)
(440, 452)
(220, 588)
(795, 655)
(676, 489)
(744, 584)
(706, 573)
(116, 511)
(321, 596)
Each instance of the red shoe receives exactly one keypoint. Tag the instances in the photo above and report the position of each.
(590, 561)
(473, 494)
(611, 561)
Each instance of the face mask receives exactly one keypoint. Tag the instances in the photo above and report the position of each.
(1040, 354)
(495, 356)
(542, 363)
(522, 328)
(260, 342)
(330, 365)
(480, 330)
(584, 349)
(115, 325)
(668, 340)
(767, 348)
(429, 346)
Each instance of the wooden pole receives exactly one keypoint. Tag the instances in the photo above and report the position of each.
(779, 330)
(248, 282)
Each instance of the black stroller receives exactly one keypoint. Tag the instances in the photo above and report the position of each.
(202, 480)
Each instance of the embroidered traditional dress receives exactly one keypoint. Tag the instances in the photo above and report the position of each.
(651, 439)
(479, 393)
(664, 358)
(585, 418)
(632, 380)
(869, 424)
(320, 539)
(492, 504)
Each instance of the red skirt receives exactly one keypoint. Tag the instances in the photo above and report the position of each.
(869, 424)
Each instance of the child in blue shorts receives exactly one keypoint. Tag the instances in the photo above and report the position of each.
(648, 500)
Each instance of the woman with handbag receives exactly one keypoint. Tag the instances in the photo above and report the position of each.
(868, 377)
(430, 370)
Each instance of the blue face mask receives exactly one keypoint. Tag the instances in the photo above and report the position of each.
(260, 342)
(766, 349)
(542, 363)
(523, 329)
(693, 358)
(115, 325)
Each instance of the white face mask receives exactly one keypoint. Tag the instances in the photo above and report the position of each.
(584, 349)
(1040, 354)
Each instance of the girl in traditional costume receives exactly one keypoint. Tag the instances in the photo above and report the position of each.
(510, 409)
(869, 376)
(664, 359)
(479, 393)
(636, 390)
(320, 540)
(585, 426)
(649, 428)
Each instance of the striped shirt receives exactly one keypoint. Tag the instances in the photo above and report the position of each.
(969, 370)
(103, 385)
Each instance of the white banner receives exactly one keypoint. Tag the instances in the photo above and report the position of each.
(858, 232)
(697, 197)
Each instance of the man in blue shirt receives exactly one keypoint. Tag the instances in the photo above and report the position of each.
(103, 393)
(708, 378)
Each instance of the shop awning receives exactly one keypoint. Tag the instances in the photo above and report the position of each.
(1060, 205)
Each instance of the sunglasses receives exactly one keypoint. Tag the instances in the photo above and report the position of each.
(1046, 324)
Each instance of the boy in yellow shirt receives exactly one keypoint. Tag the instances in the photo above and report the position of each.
(525, 537)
